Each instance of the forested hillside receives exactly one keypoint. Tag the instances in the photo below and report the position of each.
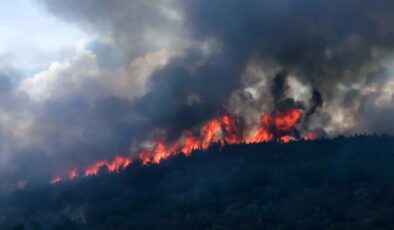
(344, 183)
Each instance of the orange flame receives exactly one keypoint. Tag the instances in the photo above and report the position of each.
(73, 174)
(118, 163)
(231, 130)
(114, 166)
(219, 130)
(56, 180)
(263, 133)
(311, 136)
(144, 156)
(210, 133)
(285, 139)
(286, 120)
(191, 143)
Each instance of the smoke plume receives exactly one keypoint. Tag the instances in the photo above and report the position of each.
(155, 70)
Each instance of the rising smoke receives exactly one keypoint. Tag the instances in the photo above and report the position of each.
(159, 68)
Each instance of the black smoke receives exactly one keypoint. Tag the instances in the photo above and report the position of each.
(326, 45)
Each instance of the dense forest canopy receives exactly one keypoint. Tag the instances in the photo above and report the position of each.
(341, 183)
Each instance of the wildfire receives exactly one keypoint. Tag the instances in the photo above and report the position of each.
(286, 120)
(285, 139)
(191, 143)
(263, 133)
(73, 174)
(56, 180)
(232, 133)
(311, 136)
(114, 166)
(221, 130)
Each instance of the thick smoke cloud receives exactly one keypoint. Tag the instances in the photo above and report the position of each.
(158, 67)
(326, 44)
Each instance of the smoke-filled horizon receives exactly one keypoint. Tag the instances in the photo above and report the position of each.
(158, 69)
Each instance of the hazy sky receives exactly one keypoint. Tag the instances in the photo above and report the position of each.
(31, 38)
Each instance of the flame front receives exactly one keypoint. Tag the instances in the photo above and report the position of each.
(55, 180)
(263, 133)
(312, 135)
(113, 166)
(232, 133)
(286, 120)
(191, 143)
(221, 130)
(73, 174)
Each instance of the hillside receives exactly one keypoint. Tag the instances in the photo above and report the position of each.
(344, 183)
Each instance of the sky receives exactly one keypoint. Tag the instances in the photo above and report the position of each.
(84, 81)
(31, 38)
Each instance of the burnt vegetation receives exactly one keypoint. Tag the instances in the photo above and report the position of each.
(340, 183)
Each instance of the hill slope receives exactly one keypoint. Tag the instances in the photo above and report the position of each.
(345, 183)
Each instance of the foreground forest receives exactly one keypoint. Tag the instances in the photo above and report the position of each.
(343, 183)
